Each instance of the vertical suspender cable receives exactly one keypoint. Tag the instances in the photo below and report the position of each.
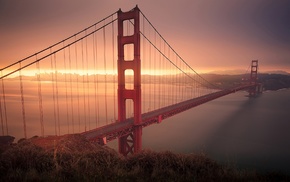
(159, 77)
(66, 95)
(105, 68)
(164, 78)
(114, 76)
(144, 68)
(195, 91)
(78, 94)
(179, 83)
(98, 100)
(150, 75)
(183, 85)
(96, 80)
(95, 90)
(169, 78)
(56, 93)
(95, 72)
(84, 90)
(2, 122)
(40, 99)
(154, 73)
(88, 82)
(71, 90)
(175, 84)
(22, 101)
(4, 103)
(53, 93)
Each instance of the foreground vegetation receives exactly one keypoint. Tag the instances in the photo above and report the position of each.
(73, 158)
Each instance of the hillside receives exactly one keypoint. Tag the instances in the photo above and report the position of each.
(73, 158)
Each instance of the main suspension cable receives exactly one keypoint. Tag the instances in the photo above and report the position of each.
(54, 52)
(215, 86)
(50, 47)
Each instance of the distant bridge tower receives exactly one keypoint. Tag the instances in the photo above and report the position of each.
(254, 79)
(130, 143)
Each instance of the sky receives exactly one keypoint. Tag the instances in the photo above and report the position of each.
(208, 34)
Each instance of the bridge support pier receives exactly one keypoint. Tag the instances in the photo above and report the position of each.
(130, 143)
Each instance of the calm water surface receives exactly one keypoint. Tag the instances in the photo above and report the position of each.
(246, 132)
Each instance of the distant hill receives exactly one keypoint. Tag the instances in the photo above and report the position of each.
(278, 72)
(227, 72)
(274, 81)
(241, 72)
(270, 81)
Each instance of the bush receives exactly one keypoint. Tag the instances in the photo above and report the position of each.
(70, 160)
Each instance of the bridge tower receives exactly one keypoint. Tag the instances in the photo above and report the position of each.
(130, 143)
(254, 78)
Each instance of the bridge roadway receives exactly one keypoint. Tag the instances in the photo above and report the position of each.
(106, 133)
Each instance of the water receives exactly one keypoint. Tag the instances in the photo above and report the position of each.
(246, 132)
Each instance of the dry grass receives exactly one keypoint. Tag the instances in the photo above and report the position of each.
(73, 158)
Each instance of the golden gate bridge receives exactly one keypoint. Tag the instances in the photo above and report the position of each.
(105, 82)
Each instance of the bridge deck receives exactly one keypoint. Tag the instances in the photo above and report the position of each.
(118, 129)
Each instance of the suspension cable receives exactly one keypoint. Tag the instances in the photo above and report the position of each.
(56, 93)
(40, 99)
(114, 76)
(84, 90)
(54, 52)
(159, 78)
(48, 48)
(105, 68)
(95, 86)
(66, 94)
(88, 83)
(22, 102)
(78, 94)
(2, 122)
(150, 75)
(173, 50)
(166, 57)
(53, 94)
(96, 81)
(71, 90)
(4, 104)
(154, 74)
(144, 66)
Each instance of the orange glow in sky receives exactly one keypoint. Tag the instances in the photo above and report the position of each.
(209, 35)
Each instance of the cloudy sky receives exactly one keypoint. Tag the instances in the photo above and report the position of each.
(208, 34)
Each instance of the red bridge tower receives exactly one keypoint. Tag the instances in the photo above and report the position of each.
(130, 143)
(253, 91)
